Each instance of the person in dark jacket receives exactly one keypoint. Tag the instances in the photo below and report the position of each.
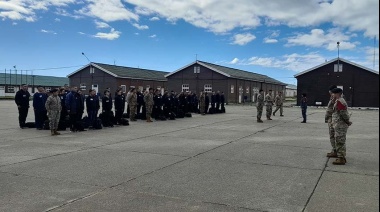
(213, 103)
(22, 102)
(217, 101)
(81, 109)
(304, 107)
(119, 105)
(93, 106)
(74, 106)
(140, 102)
(107, 109)
(40, 113)
(222, 101)
(158, 103)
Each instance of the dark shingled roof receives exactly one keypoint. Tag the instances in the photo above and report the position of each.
(28, 79)
(135, 73)
(236, 73)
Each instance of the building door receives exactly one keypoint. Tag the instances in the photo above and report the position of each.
(96, 88)
(255, 92)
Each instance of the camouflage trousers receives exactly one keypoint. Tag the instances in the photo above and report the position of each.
(54, 116)
(133, 109)
(259, 111)
(149, 109)
(340, 139)
(279, 107)
(332, 137)
(269, 111)
(202, 108)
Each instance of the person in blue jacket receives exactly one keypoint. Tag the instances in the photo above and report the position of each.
(40, 113)
(74, 106)
(93, 106)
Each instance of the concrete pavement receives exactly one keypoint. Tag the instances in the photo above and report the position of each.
(224, 162)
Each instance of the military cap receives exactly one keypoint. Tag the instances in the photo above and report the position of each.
(336, 90)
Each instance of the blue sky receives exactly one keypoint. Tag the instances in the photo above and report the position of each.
(278, 38)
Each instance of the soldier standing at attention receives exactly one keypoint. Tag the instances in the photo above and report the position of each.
(93, 106)
(260, 105)
(303, 107)
(54, 107)
(328, 120)
(39, 100)
(132, 102)
(269, 104)
(149, 102)
(279, 104)
(119, 105)
(202, 103)
(341, 122)
(22, 102)
(107, 109)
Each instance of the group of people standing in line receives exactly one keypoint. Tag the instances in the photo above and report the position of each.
(269, 101)
(69, 104)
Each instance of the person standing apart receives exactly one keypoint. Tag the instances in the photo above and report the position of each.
(22, 102)
(149, 102)
(269, 104)
(328, 120)
(53, 107)
(39, 100)
(303, 107)
(260, 105)
(341, 122)
(132, 102)
(279, 104)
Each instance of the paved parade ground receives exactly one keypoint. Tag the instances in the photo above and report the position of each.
(224, 162)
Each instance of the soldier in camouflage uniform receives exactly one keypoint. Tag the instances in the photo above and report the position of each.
(328, 120)
(149, 102)
(202, 103)
(53, 107)
(341, 122)
(269, 104)
(279, 100)
(260, 105)
(132, 102)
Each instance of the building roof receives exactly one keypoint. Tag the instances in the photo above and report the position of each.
(334, 60)
(28, 79)
(127, 72)
(233, 73)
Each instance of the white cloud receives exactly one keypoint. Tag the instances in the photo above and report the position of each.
(294, 62)
(154, 19)
(140, 27)
(318, 38)
(14, 23)
(57, 20)
(243, 39)
(112, 35)
(81, 33)
(234, 61)
(63, 12)
(108, 10)
(270, 40)
(136, 33)
(101, 25)
(48, 31)
(153, 36)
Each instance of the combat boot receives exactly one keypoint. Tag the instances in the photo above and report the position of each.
(56, 132)
(149, 120)
(52, 132)
(259, 121)
(268, 118)
(332, 154)
(340, 161)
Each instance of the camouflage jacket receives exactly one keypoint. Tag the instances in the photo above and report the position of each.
(148, 99)
(132, 101)
(53, 103)
(202, 100)
(269, 100)
(340, 114)
(279, 100)
(329, 111)
(260, 100)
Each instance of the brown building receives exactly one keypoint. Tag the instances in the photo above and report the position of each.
(360, 84)
(202, 76)
(100, 76)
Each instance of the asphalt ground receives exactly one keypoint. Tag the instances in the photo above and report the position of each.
(223, 162)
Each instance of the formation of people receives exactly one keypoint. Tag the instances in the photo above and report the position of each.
(64, 107)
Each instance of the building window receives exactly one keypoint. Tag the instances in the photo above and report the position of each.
(92, 70)
(197, 69)
(336, 68)
(48, 89)
(2, 88)
(208, 88)
(159, 88)
(147, 87)
(10, 89)
(232, 89)
(247, 89)
(123, 88)
(82, 86)
(185, 88)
